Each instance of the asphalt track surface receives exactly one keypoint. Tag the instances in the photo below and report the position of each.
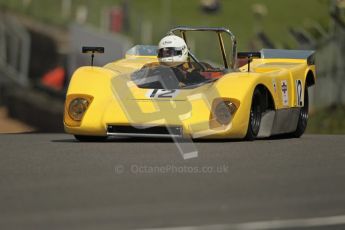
(50, 181)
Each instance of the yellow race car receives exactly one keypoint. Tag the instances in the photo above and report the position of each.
(136, 96)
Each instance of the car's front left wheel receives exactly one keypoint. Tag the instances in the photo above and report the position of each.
(254, 116)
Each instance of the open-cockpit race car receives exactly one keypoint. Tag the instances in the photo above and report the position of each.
(140, 96)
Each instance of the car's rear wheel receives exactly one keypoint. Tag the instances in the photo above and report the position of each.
(83, 138)
(254, 116)
(303, 117)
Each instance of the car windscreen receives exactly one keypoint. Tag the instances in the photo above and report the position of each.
(184, 75)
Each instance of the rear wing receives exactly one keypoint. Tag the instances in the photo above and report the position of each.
(309, 55)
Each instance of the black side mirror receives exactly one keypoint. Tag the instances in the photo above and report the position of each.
(249, 56)
(92, 50)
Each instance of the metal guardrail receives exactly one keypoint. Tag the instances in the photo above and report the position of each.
(330, 59)
(115, 46)
(331, 69)
(14, 50)
(330, 62)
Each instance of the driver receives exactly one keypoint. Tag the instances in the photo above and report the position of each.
(173, 52)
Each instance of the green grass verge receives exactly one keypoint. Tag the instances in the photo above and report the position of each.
(327, 121)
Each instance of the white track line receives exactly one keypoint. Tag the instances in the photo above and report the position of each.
(267, 225)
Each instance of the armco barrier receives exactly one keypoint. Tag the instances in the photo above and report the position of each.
(33, 107)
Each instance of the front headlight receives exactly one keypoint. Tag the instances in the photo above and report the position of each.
(223, 110)
(77, 108)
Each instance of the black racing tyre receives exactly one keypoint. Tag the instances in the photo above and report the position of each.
(83, 138)
(255, 116)
(303, 117)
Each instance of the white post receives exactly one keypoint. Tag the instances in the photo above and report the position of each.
(105, 19)
(2, 43)
(26, 3)
(66, 7)
(146, 32)
(82, 14)
(167, 13)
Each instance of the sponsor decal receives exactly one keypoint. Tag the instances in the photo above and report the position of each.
(299, 93)
(285, 93)
(167, 42)
(162, 93)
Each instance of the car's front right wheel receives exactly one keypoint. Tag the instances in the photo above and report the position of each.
(303, 117)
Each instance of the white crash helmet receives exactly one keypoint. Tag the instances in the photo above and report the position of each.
(172, 49)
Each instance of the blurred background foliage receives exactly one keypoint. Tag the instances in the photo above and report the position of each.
(165, 14)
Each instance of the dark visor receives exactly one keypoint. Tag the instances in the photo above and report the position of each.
(168, 52)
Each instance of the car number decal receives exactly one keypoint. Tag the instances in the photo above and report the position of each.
(162, 93)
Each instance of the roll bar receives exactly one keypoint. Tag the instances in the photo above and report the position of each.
(219, 31)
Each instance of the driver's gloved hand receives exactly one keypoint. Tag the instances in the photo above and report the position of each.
(195, 77)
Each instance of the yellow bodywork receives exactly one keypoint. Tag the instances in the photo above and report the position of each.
(118, 101)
